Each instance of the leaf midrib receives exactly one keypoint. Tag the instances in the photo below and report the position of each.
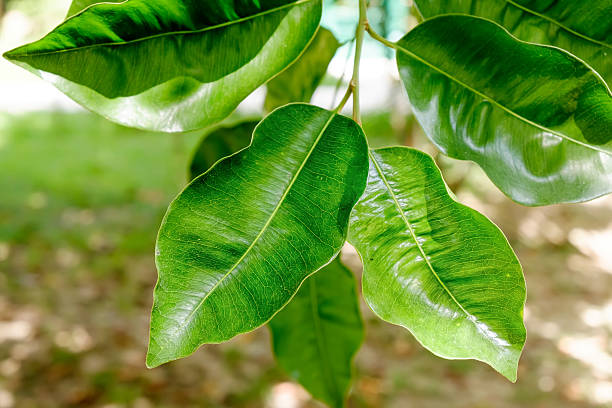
(563, 26)
(189, 318)
(414, 237)
(160, 35)
(398, 47)
(320, 338)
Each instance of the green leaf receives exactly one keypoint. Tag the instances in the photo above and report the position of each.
(580, 27)
(316, 336)
(219, 143)
(436, 267)
(171, 65)
(237, 243)
(535, 118)
(298, 82)
(79, 5)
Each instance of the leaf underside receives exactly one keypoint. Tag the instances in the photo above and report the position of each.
(298, 82)
(114, 58)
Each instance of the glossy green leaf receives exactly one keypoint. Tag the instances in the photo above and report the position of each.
(237, 243)
(171, 65)
(436, 267)
(535, 118)
(580, 27)
(316, 336)
(79, 5)
(219, 143)
(298, 82)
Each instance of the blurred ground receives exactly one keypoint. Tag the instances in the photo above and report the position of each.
(80, 203)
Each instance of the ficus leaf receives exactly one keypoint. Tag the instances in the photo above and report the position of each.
(219, 143)
(535, 118)
(436, 267)
(237, 243)
(171, 65)
(580, 27)
(316, 336)
(298, 82)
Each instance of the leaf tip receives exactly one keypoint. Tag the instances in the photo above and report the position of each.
(511, 374)
(508, 368)
(8, 55)
(153, 360)
(14, 54)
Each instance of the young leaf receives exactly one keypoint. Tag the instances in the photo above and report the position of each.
(579, 27)
(236, 244)
(298, 82)
(171, 65)
(317, 334)
(220, 143)
(535, 118)
(436, 267)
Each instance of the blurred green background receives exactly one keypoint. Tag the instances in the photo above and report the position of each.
(80, 203)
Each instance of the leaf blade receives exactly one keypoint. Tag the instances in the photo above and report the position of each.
(425, 255)
(219, 143)
(533, 117)
(80, 5)
(574, 26)
(298, 82)
(112, 58)
(321, 359)
(231, 252)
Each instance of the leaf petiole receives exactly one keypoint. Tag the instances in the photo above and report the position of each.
(359, 35)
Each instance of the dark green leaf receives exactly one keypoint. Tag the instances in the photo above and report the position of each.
(535, 118)
(237, 243)
(582, 27)
(317, 334)
(171, 65)
(298, 82)
(436, 267)
(221, 142)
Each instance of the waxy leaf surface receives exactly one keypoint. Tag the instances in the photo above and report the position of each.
(583, 27)
(237, 243)
(298, 82)
(79, 5)
(316, 336)
(436, 267)
(171, 65)
(535, 118)
(219, 143)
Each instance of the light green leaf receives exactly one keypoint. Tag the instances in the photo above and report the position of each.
(580, 27)
(535, 118)
(219, 143)
(79, 5)
(237, 243)
(171, 65)
(298, 82)
(316, 336)
(436, 267)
